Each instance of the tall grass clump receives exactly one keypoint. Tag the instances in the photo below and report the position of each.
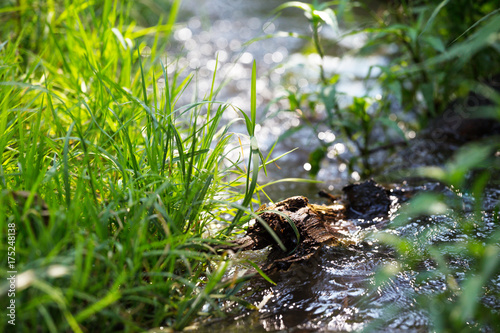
(113, 188)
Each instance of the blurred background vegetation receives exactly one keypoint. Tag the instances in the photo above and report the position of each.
(440, 51)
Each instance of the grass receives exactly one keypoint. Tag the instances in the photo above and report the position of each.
(114, 189)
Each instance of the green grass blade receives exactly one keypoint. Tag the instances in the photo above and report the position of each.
(261, 272)
(253, 99)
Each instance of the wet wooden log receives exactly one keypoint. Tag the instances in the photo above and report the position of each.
(303, 227)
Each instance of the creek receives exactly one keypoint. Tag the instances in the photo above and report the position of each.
(333, 292)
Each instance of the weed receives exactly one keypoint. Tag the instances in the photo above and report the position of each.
(438, 58)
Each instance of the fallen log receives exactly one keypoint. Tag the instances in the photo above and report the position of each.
(303, 227)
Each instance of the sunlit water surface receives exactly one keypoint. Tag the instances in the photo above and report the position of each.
(227, 36)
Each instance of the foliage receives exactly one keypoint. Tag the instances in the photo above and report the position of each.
(117, 194)
(356, 122)
(439, 57)
(444, 47)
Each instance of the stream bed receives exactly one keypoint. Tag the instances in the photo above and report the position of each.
(333, 291)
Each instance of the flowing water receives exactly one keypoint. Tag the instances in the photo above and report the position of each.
(334, 290)
(232, 34)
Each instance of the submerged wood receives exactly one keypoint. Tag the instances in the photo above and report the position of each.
(314, 224)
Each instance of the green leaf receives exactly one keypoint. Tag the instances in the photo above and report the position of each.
(297, 4)
(328, 16)
(253, 98)
(120, 38)
(421, 204)
(433, 16)
(428, 92)
(474, 286)
(261, 272)
(392, 124)
(289, 132)
(475, 24)
(466, 159)
(482, 38)
(436, 43)
(315, 159)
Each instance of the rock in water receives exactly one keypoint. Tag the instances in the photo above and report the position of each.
(366, 200)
